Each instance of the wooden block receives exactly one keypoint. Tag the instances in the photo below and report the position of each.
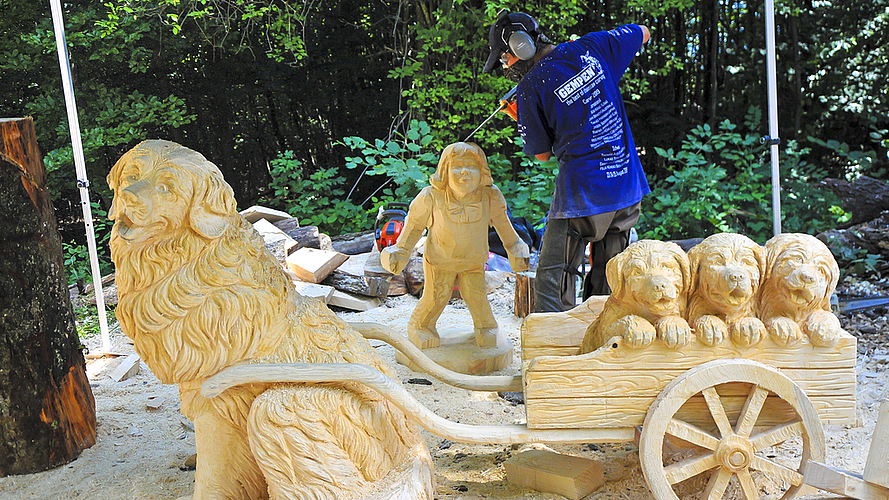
(272, 236)
(257, 212)
(543, 470)
(841, 482)
(877, 468)
(524, 294)
(313, 265)
(314, 290)
(126, 369)
(353, 302)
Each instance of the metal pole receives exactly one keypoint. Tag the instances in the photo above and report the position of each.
(80, 166)
(773, 114)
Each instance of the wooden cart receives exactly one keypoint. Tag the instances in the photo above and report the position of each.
(727, 405)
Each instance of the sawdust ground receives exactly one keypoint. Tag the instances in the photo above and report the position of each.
(140, 451)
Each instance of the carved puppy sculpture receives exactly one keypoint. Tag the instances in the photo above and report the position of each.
(801, 275)
(649, 282)
(726, 272)
(198, 293)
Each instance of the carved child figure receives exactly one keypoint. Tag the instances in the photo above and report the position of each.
(458, 208)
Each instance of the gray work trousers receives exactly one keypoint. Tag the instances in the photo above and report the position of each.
(562, 251)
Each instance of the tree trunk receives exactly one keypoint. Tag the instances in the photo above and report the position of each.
(866, 198)
(47, 411)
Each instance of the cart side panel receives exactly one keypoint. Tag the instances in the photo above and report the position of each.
(614, 386)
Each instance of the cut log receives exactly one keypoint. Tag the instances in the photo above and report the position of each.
(49, 414)
(362, 285)
(313, 265)
(871, 236)
(305, 237)
(865, 198)
(414, 277)
(354, 243)
(524, 293)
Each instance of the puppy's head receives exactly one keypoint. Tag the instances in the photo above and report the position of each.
(160, 186)
(727, 269)
(801, 271)
(650, 274)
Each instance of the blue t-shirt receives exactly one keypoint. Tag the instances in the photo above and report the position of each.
(569, 103)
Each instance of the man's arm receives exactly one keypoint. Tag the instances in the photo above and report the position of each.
(544, 156)
(646, 35)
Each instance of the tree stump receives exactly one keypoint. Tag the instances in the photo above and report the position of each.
(47, 410)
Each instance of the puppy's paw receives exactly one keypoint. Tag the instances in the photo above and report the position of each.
(823, 328)
(636, 331)
(674, 331)
(710, 330)
(784, 331)
(747, 331)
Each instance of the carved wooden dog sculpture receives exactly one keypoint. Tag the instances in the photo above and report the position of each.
(726, 272)
(801, 275)
(199, 292)
(649, 282)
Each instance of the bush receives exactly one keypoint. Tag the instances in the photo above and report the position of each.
(720, 181)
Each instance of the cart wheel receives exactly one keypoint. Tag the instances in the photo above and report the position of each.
(732, 450)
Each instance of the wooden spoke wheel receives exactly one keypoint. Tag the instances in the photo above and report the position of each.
(729, 437)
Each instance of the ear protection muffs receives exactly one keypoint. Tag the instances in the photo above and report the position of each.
(522, 45)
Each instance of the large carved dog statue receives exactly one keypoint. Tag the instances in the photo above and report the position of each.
(198, 293)
(649, 282)
(726, 272)
(801, 275)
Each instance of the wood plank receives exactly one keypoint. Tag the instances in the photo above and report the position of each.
(617, 356)
(842, 483)
(544, 470)
(559, 330)
(567, 413)
(128, 367)
(312, 264)
(877, 468)
(607, 383)
(258, 212)
(353, 302)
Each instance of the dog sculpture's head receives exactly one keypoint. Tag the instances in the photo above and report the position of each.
(801, 273)
(651, 275)
(161, 187)
(726, 269)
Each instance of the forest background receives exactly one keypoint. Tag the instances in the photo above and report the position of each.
(329, 109)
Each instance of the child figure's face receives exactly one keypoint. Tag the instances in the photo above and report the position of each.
(464, 175)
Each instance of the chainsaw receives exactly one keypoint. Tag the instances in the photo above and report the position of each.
(393, 215)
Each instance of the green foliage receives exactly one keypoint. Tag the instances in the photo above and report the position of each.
(314, 198)
(529, 192)
(407, 162)
(855, 163)
(720, 181)
(76, 257)
(86, 320)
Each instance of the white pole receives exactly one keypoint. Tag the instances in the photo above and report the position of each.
(773, 114)
(80, 165)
